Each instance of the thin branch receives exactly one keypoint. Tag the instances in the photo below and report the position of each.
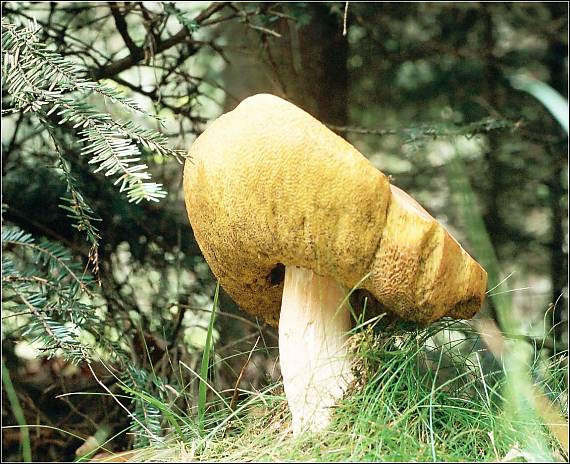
(134, 58)
(238, 381)
(123, 28)
(479, 127)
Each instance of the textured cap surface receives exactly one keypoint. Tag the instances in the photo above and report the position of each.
(268, 185)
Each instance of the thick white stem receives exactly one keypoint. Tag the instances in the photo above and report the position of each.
(313, 330)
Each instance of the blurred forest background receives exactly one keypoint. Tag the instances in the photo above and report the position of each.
(409, 84)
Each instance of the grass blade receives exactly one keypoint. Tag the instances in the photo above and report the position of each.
(546, 95)
(466, 202)
(202, 388)
(18, 414)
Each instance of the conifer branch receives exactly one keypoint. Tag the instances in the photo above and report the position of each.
(40, 80)
(54, 256)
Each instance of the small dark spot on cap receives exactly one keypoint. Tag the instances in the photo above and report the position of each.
(277, 275)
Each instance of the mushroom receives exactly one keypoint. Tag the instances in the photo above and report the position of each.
(290, 216)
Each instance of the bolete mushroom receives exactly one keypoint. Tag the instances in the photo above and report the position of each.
(290, 216)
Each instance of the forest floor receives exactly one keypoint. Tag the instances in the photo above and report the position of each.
(437, 394)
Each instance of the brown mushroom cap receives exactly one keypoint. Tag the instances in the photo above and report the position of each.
(268, 185)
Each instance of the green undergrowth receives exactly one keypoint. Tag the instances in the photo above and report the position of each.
(431, 394)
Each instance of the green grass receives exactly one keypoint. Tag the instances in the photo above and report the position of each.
(18, 413)
(430, 394)
(202, 390)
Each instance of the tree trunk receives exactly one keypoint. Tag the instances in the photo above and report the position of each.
(558, 258)
(305, 65)
(492, 215)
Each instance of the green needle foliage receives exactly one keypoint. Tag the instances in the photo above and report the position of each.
(44, 286)
(80, 211)
(53, 295)
(40, 80)
(44, 283)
